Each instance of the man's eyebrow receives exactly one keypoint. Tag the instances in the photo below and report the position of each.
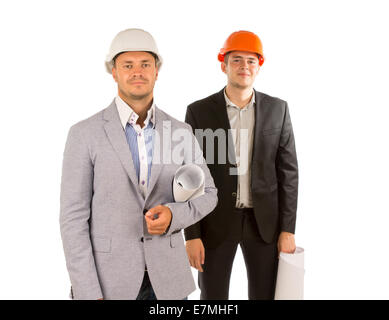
(131, 61)
(250, 58)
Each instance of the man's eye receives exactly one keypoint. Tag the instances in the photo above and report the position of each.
(145, 65)
(127, 66)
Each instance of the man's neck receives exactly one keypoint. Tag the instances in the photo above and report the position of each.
(238, 96)
(140, 107)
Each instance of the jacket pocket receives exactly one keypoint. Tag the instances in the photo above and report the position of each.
(175, 238)
(270, 131)
(101, 244)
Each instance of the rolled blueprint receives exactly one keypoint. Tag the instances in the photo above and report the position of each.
(188, 183)
(290, 276)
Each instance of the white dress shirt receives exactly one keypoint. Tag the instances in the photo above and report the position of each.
(127, 114)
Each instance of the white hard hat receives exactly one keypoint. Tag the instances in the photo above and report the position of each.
(131, 40)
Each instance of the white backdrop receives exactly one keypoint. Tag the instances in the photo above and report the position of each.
(328, 59)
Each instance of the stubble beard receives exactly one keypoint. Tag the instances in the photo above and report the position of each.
(136, 97)
(239, 86)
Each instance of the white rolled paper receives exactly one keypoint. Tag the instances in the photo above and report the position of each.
(290, 276)
(188, 182)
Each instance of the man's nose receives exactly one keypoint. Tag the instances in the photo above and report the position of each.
(244, 64)
(137, 70)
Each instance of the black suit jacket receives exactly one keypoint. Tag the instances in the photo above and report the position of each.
(274, 172)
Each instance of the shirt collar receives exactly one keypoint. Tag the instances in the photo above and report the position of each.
(229, 103)
(126, 114)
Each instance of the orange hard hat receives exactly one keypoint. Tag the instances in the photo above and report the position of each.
(242, 41)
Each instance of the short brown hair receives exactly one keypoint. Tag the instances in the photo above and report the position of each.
(228, 53)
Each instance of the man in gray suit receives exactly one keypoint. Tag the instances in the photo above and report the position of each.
(120, 226)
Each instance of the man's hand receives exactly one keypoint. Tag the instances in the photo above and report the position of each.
(196, 253)
(158, 219)
(286, 243)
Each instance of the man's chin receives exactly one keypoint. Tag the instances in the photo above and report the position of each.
(242, 85)
(134, 95)
(138, 96)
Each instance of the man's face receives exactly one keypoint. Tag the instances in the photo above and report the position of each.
(241, 69)
(135, 73)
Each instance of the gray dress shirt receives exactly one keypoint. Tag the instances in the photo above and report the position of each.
(242, 122)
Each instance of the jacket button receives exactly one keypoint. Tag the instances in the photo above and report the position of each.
(141, 239)
(234, 194)
(144, 211)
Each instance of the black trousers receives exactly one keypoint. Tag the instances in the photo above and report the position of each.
(261, 261)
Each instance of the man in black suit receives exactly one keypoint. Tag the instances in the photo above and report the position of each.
(256, 177)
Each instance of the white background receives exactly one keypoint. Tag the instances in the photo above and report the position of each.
(328, 59)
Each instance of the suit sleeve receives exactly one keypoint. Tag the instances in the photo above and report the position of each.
(190, 212)
(75, 210)
(193, 231)
(287, 176)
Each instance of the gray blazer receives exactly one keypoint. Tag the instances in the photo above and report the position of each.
(103, 230)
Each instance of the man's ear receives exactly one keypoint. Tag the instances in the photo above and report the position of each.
(223, 67)
(113, 71)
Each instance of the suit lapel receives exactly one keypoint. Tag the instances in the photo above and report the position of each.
(260, 107)
(161, 149)
(117, 138)
(259, 115)
(220, 109)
